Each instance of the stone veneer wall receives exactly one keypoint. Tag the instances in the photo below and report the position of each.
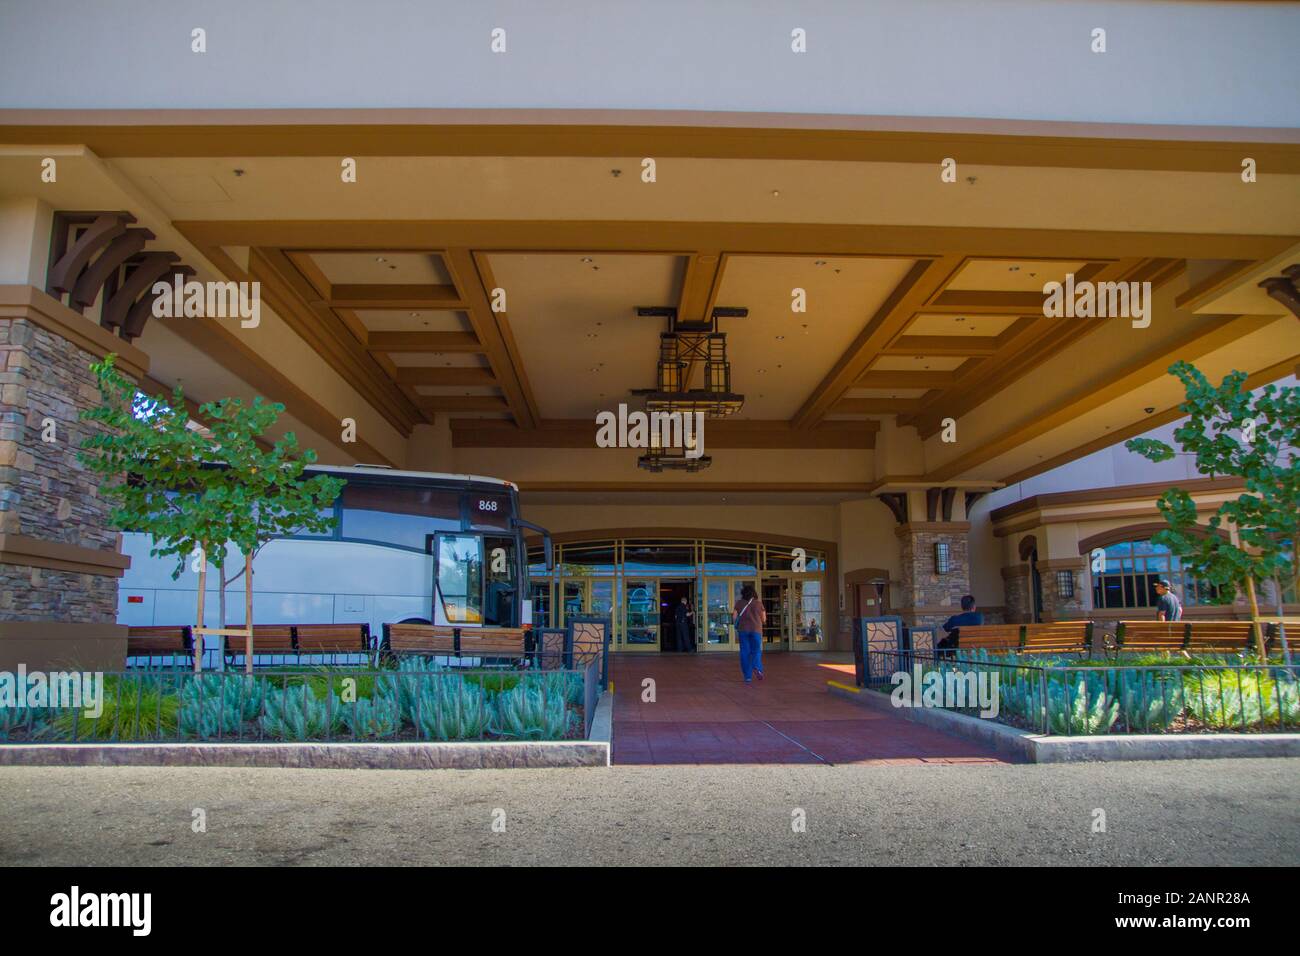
(45, 493)
(929, 598)
(1018, 584)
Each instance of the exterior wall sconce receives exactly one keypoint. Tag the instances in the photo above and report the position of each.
(942, 559)
(1065, 583)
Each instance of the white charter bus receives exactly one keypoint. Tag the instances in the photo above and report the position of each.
(407, 547)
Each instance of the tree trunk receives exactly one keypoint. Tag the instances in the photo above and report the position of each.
(1281, 622)
(1254, 616)
(248, 612)
(203, 592)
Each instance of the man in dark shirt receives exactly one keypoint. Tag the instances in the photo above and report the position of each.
(1168, 607)
(969, 617)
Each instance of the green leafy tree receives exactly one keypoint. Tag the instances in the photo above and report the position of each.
(198, 490)
(1254, 437)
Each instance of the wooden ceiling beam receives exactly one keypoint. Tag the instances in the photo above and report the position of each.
(1212, 333)
(380, 296)
(922, 281)
(1027, 344)
(445, 375)
(497, 341)
(875, 406)
(943, 345)
(723, 433)
(296, 301)
(463, 342)
(889, 378)
(463, 403)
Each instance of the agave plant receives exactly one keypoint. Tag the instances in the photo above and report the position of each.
(1083, 705)
(450, 708)
(378, 716)
(216, 704)
(296, 713)
(1149, 700)
(528, 712)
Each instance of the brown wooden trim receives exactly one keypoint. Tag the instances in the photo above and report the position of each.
(943, 345)
(27, 551)
(39, 308)
(447, 375)
(1212, 333)
(922, 279)
(1148, 490)
(463, 403)
(724, 433)
(905, 379)
(233, 353)
(1193, 296)
(932, 527)
(875, 406)
(514, 364)
(466, 269)
(460, 342)
(380, 296)
(769, 238)
(601, 133)
(1262, 377)
(702, 487)
(1137, 532)
(296, 302)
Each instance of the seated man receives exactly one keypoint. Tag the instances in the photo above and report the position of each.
(969, 617)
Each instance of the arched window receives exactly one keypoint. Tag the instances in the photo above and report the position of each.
(1132, 570)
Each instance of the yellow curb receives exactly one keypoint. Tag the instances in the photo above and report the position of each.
(848, 687)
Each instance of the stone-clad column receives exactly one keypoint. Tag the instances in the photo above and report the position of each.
(929, 596)
(59, 559)
(1058, 604)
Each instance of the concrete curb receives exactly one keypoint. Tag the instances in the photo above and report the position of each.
(602, 724)
(1036, 748)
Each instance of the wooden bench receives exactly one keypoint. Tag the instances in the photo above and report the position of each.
(1058, 637)
(332, 638)
(1212, 636)
(165, 640)
(297, 639)
(1273, 638)
(436, 640)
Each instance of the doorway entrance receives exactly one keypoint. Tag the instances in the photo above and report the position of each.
(671, 636)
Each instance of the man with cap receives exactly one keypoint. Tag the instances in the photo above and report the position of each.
(1168, 607)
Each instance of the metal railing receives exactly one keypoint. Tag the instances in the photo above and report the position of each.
(416, 701)
(1073, 699)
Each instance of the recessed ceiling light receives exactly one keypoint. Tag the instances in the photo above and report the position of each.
(586, 258)
(380, 259)
(780, 338)
(820, 262)
(1013, 268)
(776, 192)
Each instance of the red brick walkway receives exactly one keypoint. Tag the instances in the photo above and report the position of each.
(705, 713)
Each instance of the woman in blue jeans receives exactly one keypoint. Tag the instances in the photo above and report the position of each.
(750, 618)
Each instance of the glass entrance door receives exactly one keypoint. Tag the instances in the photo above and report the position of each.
(721, 595)
(807, 631)
(641, 600)
(776, 602)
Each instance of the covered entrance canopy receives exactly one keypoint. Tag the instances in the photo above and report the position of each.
(490, 280)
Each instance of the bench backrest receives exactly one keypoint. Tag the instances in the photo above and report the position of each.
(1056, 636)
(267, 639)
(332, 638)
(159, 639)
(988, 636)
(466, 641)
(1189, 635)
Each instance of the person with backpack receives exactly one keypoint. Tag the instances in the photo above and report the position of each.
(749, 618)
